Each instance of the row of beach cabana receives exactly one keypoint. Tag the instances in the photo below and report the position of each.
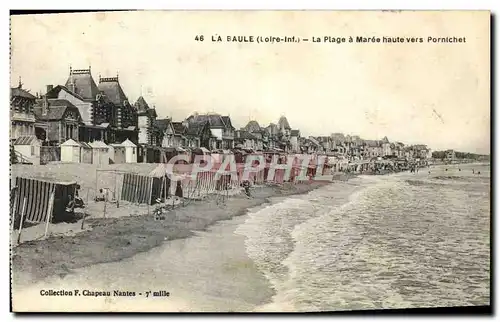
(98, 152)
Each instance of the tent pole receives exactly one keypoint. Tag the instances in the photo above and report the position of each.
(150, 192)
(161, 187)
(14, 210)
(96, 179)
(49, 212)
(105, 204)
(114, 191)
(22, 220)
(86, 205)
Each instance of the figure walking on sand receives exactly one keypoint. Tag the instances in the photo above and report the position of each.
(246, 186)
(178, 190)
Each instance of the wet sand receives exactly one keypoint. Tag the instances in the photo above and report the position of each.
(208, 272)
(114, 239)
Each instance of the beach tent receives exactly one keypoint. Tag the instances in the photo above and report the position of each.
(27, 149)
(161, 182)
(37, 193)
(117, 153)
(130, 151)
(70, 151)
(85, 153)
(100, 152)
(137, 188)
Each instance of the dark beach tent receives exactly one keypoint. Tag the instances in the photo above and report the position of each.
(37, 193)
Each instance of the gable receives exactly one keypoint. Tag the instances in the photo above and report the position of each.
(169, 129)
(84, 108)
(71, 114)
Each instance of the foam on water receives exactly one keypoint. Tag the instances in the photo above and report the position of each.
(388, 243)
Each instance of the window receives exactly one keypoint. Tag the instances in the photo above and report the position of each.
(32, 150)
(133, 150)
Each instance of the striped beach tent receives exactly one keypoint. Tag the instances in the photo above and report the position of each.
(37, 193)
(136, 188)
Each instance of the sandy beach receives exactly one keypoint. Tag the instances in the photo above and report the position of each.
(112, 239)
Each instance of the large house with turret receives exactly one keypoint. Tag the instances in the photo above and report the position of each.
(146, 120)
(105, 113)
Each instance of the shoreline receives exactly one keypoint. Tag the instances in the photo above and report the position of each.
(114, 239)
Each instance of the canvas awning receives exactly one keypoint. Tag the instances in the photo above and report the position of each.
(159, 171)
(26, 140)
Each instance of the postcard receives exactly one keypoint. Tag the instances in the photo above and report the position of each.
(250, 161)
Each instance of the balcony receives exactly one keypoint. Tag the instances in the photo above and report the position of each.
(21, 116)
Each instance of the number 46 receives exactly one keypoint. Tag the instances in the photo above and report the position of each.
(198, 38)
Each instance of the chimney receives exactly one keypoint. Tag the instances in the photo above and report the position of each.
(45, 105)
(49, 88)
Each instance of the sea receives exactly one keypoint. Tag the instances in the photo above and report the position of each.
(404, 240)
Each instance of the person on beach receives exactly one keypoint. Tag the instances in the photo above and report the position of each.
(178, 190)
(70, 207)
(472, 171)
(246, 186)
(101, 196)
(78, 200)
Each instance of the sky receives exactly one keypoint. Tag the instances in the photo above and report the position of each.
(430, 93)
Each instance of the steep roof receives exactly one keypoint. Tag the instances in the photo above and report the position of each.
(162, 124)
(16, 91)
(141, 105)
(272, 129)
(195, 129)
(56, 110)
(112, 89)
(245, 135)
(70, 142)
(283, 123)
(227, 121)
(54, 92)
(98, 144)
(128, 143)
(85, 85)
(372, 143)
(214, 120)
(179, 128)
(252, 126)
